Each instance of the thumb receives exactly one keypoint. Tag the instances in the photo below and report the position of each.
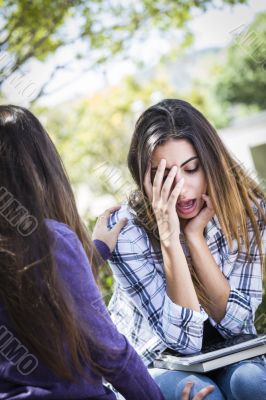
(119, 226)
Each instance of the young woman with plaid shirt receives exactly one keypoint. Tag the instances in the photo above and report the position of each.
(188, 265)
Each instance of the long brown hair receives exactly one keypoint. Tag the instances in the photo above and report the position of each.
(33, 177)
(230, 188)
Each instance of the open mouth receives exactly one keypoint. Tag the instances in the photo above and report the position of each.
(186, 207)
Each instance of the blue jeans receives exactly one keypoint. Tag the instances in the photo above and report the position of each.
(245, 380)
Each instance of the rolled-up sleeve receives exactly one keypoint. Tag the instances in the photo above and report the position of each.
(186, 322)
(240, 314)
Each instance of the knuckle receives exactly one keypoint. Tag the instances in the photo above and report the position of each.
(154, 205)
(157, 211)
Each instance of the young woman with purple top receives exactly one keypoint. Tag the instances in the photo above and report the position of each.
(57, 340)
(188, 265)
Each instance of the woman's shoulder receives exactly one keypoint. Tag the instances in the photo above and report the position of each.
(64, 239)
(125, 211)
(66, 246)
(58, 228)
(132, 231)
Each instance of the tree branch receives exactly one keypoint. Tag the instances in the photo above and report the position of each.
(43, 87)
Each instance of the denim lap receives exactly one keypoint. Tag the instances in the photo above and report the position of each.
(172, 383)
(245, 380)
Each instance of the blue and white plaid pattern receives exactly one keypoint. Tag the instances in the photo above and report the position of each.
(144, 313)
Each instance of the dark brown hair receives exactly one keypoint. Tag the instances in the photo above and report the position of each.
(33, 177)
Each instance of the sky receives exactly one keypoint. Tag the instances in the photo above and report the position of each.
(215, 28)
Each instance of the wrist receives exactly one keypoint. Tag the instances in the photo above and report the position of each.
(170, 242)
(168, 237)
(195, 239)
(172, 246)
(173, 257)
(102, 248)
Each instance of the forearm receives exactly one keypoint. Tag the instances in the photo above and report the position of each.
(179, 285)
(208, 272)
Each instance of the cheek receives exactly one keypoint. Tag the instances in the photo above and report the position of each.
(204, 187)
(201, 183)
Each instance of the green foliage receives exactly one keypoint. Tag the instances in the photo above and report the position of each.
(260, 320)
(36, 29)
(30, 29)
(202, 96)
(243, 79)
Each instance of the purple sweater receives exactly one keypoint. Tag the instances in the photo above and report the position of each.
(22, 376)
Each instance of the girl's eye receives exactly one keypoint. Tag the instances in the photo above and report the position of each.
(191, 171)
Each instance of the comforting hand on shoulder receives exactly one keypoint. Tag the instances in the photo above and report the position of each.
(101, 231)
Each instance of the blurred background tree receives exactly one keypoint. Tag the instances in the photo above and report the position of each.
(96, 30)
(243, 76)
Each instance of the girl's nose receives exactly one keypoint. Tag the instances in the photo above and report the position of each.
(178, 177)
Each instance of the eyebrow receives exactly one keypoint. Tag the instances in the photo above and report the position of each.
(190, 159)
(184, 163)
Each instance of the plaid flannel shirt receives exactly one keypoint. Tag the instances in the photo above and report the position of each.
(141, 308)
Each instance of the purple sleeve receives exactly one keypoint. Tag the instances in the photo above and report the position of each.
(102, 248)
(109, 349)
